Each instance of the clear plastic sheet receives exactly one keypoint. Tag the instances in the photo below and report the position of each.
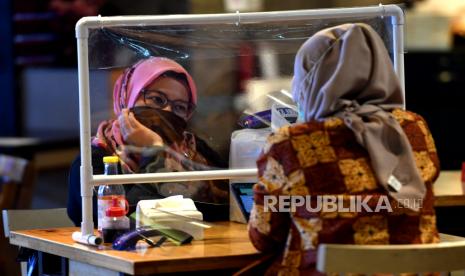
(239, 69)
(116, 47)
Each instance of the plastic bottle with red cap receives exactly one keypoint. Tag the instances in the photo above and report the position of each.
(112, 205)
(115, 223)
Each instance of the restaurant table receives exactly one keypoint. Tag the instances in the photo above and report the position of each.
(226, 246)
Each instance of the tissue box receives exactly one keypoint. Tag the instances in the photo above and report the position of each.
(158, 211)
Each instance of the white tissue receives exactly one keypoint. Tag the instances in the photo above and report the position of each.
(155, 212)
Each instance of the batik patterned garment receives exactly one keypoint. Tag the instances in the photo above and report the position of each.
(324, 158)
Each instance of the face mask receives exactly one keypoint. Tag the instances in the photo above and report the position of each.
(168, 125)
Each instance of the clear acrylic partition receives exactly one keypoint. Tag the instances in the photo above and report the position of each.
(236, 60)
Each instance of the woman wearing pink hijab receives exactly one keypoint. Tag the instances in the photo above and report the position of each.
(152, 102)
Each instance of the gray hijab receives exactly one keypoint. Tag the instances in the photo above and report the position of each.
(345, 71)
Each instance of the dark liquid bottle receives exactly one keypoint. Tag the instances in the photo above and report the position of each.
(110, 235)
(110, 196)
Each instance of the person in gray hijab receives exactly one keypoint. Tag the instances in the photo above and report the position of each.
(346, 72)
(353, 139)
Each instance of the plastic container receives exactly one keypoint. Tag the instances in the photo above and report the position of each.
(109, 195)
(246, 146)
(115, 223)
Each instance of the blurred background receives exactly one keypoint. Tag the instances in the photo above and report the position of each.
(38, 76)
(39, 90)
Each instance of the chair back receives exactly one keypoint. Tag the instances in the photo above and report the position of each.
(24, 220)
(446, 256)
(34, 219)
(17, 177)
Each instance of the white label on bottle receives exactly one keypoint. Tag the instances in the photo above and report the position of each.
(101, 209)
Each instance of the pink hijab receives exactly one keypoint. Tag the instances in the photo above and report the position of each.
(142, 74)
(126, 90)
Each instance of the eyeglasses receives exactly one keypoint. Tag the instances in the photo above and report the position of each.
(159, 100)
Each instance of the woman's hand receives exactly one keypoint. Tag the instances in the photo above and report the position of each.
(135, 133)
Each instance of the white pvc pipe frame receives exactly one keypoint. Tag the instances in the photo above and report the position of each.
(88, 180)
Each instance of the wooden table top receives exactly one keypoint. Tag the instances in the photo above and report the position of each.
(226, 245)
